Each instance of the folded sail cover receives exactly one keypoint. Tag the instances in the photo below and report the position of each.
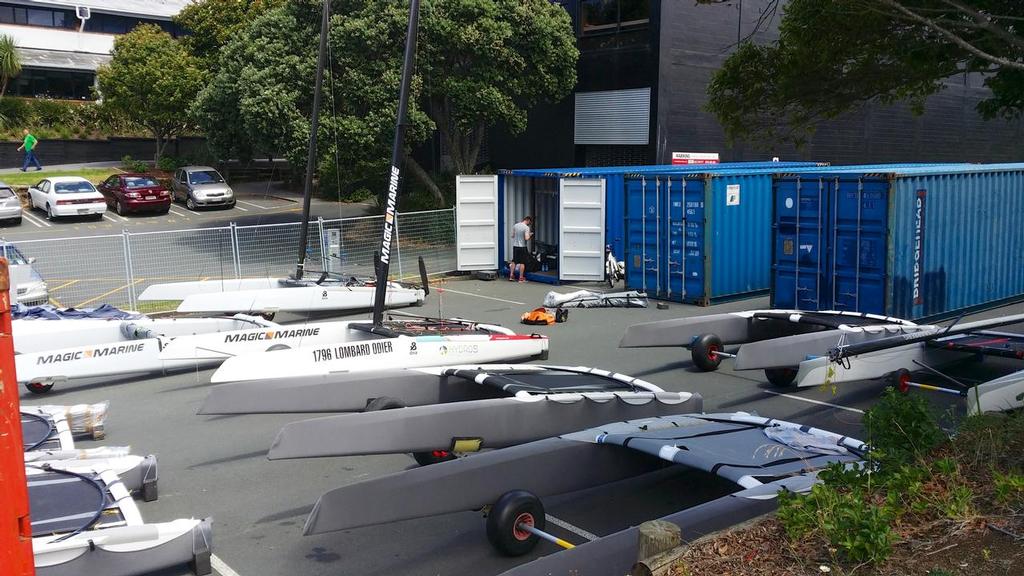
(47, 312)
(588, 299)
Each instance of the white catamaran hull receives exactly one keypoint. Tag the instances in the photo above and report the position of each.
(815, 372)
(181, 290)
(393, 353)
(300, 299)
(237, 342)
(997, 395)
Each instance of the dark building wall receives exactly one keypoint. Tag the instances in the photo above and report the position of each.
(695, 40)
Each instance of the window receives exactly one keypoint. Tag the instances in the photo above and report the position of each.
(62, 84)
(204, 177)
(139, 182)
(40, 17)
(609, 16)
(6, 193)
(45, 17)
(112, 181)
(73, 187)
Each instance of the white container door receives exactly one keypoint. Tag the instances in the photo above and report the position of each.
(581, 238)
(476, 222)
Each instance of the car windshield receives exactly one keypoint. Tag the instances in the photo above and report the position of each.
(73, 187)
(204, 177)
(6, 193)
(140, 182)
(13, 255)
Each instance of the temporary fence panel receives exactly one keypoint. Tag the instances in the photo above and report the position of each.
(915, 243)
(581, 243)
(476, 213)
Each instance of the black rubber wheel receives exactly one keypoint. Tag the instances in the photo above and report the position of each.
(433, 457)
(97, 216)
(781, 377)
(383, 403)
(899, 380)
(119, 208)
(39, 387)
(17, 221)
(703, 352)
(49, 213)
(513, 508)
(190, 204)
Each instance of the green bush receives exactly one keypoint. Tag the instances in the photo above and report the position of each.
(15, 111)
(168, 163)
(132, 165)
(901, 429)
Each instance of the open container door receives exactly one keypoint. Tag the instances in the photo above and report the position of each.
(476, 222)
(581, 238)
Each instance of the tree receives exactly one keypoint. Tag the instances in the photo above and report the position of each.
(832, 57)
(481, 63)
(152, 80)
(10, 62)
(212, 23)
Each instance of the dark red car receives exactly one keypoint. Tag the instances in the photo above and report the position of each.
(135, 193)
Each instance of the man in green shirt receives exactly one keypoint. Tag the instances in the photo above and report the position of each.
(29, 145)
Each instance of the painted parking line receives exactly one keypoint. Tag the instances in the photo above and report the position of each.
(220, 567)
(253, 205)
(178, 213)
(116, 217)
(240, 208)
(108, 217)
(574, 529)
(65, 285)
(479, 296)
(813, 401)
(36, 220)
(107, 293)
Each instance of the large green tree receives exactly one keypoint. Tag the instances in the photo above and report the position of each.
(152, 80)
(481, 63)
(10, 62)
(834, 56)
(212, 23)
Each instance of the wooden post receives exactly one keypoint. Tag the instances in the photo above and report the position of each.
(656, 537)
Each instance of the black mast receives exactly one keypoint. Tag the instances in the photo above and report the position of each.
(314, 123)
(395, 174)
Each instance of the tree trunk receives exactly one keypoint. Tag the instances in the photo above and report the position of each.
(425, 178)
(3, 87)
(160, 143)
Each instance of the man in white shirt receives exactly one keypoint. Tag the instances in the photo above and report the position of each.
(521, 234)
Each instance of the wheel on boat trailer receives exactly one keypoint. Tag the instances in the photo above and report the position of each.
(39, 387)
(512, 509)
(704, 352)
(900, 380)
(433, 457)
(780, 377)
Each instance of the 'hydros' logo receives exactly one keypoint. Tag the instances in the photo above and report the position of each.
(93, 353)
(272, 335)
(918, 244)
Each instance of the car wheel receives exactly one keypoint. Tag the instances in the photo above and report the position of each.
(49, 212)
(17, 221)
(98, 216)
(165, 210)
(39, 387)
(704, 352)
(119, 208)
(513, 509)
(190, 203)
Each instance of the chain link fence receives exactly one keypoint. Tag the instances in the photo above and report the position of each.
(114, 269)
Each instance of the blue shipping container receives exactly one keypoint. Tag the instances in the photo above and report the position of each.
(916, 242)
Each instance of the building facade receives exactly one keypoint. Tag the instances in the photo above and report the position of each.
(642, 78)
(61, 44)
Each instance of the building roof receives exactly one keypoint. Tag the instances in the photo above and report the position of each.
(58, 60)
(164, 9)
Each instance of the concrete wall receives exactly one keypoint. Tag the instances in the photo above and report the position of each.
(52, 152)
(695, 41)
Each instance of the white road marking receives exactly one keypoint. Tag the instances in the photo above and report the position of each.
(116, 217)
(179, 213)
(813, 401)
(478, 296)
(253, 205)
(107, 217)
(223, 569)
(574, 529)
(240, 208)
(35, 220)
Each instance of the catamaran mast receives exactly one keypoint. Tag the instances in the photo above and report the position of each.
(307, 191)
(395, 174)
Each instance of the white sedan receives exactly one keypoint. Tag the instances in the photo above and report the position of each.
(67, 196)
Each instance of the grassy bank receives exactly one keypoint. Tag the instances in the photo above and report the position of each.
(94, 175)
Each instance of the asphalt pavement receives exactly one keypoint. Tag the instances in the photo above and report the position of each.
(216, 466)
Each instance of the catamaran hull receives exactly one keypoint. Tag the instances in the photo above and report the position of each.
(300, 299)
(474, 425)
(340, 392)
(999, 395)
(397, 352)
(119, 358)
(137, 473)
(221, 345)
(872, 365)
(546, 467)
(790, 351)
(127, 550)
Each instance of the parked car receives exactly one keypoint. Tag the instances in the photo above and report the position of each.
(10, 204)
(67, 196)
(30, 288)
(135, 193)
(201, 186)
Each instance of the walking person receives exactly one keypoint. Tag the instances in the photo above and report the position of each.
(29, 146)
(521, 234)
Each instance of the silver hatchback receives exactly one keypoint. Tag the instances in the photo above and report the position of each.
(10, 205)
(201, 186)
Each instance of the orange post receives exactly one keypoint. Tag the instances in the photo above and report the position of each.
(15, 527)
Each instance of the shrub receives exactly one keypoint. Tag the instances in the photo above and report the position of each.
(168, 163)
(15, 111)
(901, 429)
(132, 165)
